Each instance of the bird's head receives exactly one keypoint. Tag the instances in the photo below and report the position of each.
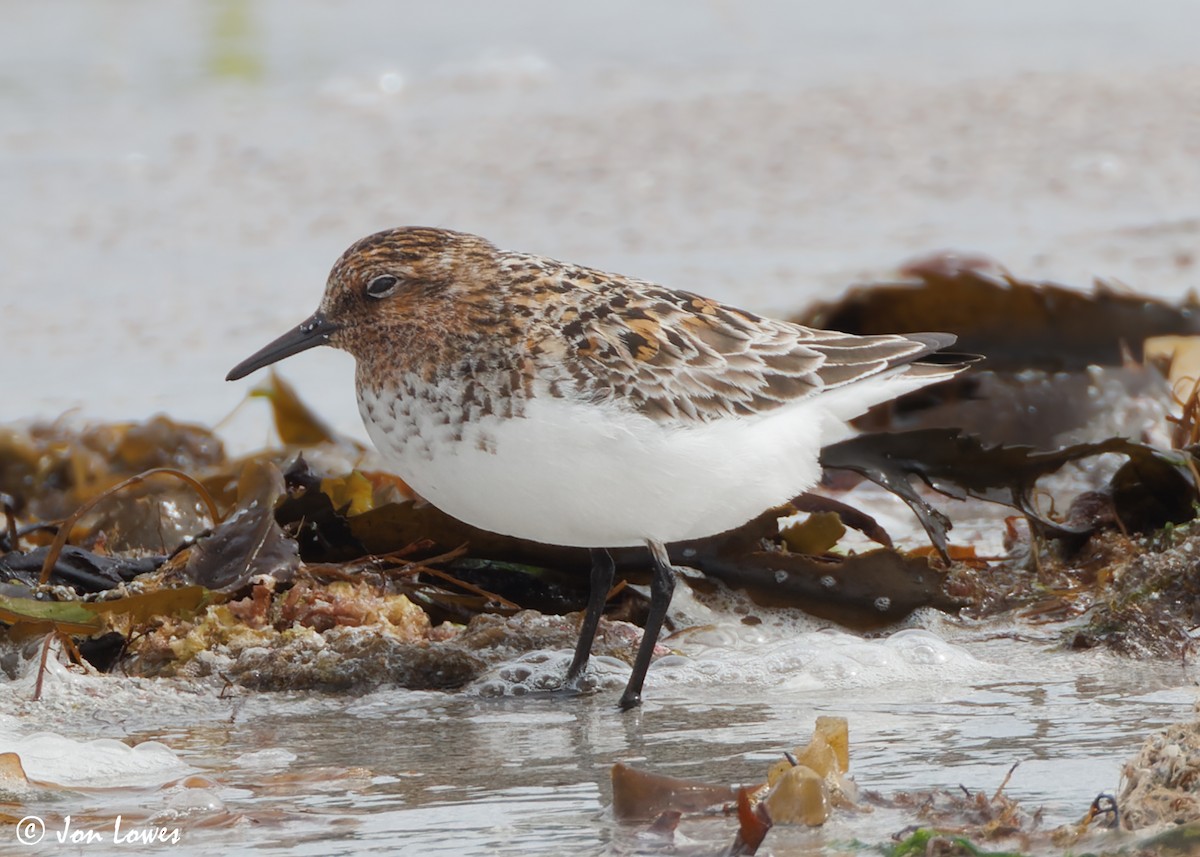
(399, 278)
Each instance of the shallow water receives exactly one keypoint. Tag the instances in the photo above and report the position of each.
(434, 773)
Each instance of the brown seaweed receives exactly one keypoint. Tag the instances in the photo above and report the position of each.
(1016, 324)
(1154, 488)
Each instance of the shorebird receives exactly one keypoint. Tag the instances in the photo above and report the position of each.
(557, 403)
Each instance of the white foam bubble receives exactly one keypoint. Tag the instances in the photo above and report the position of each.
(104, 762)
(543, 671)
(182, 801)
(826, 659)
(731, 653)
(269, 759)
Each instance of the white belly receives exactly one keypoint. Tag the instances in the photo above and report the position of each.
(581, 475)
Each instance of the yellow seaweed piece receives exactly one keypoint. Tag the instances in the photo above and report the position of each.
(817, 756)
(835, 732)
(815, 535)
(296, 424)
(353, 490)
(800, 796)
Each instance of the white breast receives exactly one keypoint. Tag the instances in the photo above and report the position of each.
(585, 475)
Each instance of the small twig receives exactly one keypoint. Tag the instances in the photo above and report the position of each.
(470, 587)
(1042, 494)
(419, 544)
(64, 531)
(1007, 777)
(371, 562)
(408, 569)
(70, 648)
(72, 651)
(461, 550)
(37, 687)
(1187, 424)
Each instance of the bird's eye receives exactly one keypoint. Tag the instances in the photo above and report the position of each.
(382, 286)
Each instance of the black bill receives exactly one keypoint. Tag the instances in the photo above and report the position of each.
(314, 331)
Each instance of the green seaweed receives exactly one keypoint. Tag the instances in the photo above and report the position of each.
(919, 843)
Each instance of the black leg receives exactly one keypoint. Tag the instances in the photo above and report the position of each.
(602, 578)
(662, 585)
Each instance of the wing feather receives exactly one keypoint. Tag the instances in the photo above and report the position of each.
(680, 358)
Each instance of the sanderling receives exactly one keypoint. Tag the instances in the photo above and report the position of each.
(557, 403)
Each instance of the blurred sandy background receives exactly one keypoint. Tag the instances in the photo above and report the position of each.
(178, 177)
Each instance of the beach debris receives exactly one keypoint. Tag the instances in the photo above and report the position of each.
(1161, 785)
(1016, 324)
(803, 788)
(641, 795)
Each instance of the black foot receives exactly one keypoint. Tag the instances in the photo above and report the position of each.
(602, 578)
(629, 700)
(662, 586)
